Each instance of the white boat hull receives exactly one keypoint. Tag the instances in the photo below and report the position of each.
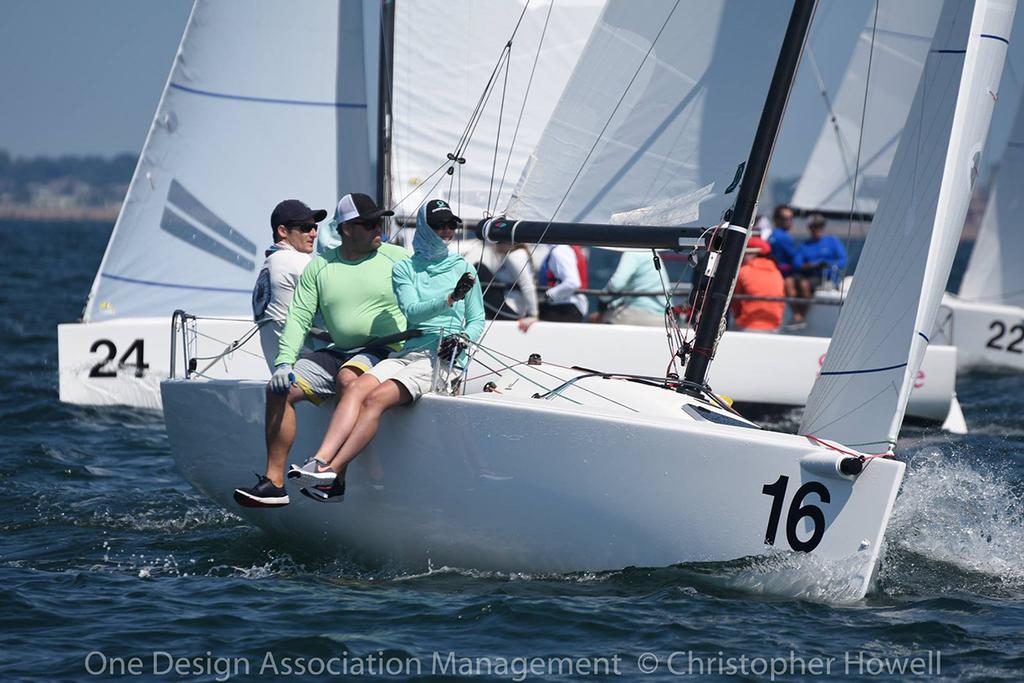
(771, 369)
(122, 362)
(584, 488)
(985, 335)
(750, 368)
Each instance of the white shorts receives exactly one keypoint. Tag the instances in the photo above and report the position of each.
(414, 370)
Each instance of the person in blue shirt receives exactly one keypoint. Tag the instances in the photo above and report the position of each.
(784, 251)
(818, 260)
(782, 244)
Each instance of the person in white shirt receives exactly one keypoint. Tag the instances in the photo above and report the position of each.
(513, 293)
(564, 273)
(294, 228)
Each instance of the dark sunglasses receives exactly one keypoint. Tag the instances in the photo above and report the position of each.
(303, 227)
(450, 225)
(370, 225)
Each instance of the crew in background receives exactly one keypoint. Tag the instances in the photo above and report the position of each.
(513, 294)
(635, 273)
(819, 260)
(564, 273)
(758, 276)
(784, 249)
(294, 227)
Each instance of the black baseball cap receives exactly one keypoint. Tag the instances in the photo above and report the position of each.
(439, 213)
(293, 211)
(359, 207)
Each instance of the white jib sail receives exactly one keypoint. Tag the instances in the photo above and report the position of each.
(994, 274)
(895, 43)
(265, 101)
(658, 117)
(444, 54)
(872, 363)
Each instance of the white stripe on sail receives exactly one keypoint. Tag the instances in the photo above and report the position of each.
(873, 361)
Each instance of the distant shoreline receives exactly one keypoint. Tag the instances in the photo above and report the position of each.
(84, 214)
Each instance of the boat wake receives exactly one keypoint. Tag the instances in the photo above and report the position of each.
(958, 525)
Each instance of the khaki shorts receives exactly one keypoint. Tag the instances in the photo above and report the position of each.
(414, 370)
(316, 372)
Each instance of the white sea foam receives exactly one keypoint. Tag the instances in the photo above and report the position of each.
(965, 514)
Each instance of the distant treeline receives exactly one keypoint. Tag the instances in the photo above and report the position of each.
(64, 183)
(95, 170)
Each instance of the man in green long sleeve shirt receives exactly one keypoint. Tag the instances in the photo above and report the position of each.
(350, 287)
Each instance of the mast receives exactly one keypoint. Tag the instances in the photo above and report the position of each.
(734, 240)
(385, 80)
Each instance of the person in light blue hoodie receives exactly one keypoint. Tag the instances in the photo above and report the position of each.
(440, 296)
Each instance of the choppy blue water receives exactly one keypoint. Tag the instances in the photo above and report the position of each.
(107, 554)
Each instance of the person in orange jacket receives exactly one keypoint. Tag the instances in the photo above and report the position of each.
(759, 276)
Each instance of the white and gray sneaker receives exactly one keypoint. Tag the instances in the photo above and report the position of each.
(314, 472)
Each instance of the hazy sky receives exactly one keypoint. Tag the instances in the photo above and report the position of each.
(85, 76)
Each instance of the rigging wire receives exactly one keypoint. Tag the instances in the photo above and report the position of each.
(522, 107)
(455, 157)
(860, 143)
(830, 109)
(597, 140)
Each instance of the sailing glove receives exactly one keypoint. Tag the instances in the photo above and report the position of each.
(282, 379)
(451, 345)
(463, 286)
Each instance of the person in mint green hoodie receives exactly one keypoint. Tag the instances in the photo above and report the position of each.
(439, 294)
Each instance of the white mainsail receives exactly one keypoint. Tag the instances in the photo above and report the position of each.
(265, 101)
(861, 395)
(994, 274)
(444, 54)
(895, 44)
(658, 115)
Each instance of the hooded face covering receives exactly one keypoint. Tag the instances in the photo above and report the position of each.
(425, 242)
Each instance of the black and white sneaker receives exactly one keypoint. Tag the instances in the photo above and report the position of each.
(313, 473)
(263, 495)
(326, 493)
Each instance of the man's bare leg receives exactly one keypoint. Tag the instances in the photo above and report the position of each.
(353, 387)
(280, 430)
(387, 395)
(805, 293)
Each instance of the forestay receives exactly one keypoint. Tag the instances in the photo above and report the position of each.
(444, 54)
(265, 101)
(894, 44)
(994, 274)
(860, 397)
(658, 116)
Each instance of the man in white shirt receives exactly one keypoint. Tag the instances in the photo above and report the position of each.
(564, 272)
(294, 228)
